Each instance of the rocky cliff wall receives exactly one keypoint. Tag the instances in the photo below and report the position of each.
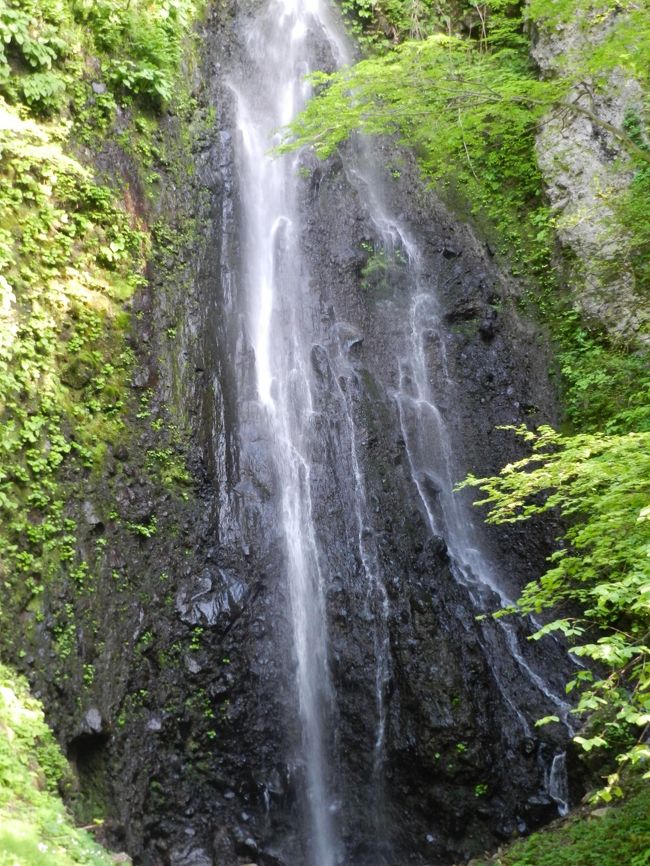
(184, 736)
(586, 169)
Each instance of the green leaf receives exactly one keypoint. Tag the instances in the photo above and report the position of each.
(546, 720)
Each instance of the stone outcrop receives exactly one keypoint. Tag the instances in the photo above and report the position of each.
(585, 169)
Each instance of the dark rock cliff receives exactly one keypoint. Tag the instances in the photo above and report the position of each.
(186, 734)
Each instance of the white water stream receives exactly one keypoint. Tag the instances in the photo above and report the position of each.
(276, 280)
(432, 462)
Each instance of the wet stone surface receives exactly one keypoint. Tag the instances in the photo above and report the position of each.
(215, 598)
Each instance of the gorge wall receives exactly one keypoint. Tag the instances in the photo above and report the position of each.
(187, 735)
(585, 168)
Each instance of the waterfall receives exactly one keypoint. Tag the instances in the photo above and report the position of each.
(558, 783)
(432, 461)
(276, 279)
(284, 330)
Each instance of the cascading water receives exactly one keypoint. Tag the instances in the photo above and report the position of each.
(276, 278)
(432, 462)
(434, 471)
(284, 326)
(558, 786)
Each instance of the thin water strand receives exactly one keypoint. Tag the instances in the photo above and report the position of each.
(274, 276)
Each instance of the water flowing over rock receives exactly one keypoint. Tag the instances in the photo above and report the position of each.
(356, 418)
(296, 675)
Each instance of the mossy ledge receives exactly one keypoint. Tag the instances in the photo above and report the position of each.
(35, 827)
(98, 118)
(591, 836)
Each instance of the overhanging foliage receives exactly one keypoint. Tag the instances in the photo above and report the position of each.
(600, 484)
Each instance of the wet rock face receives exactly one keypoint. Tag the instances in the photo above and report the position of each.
(211, 599)
(189, 729)
(458, 771)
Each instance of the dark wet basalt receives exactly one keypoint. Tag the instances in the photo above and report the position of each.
(186, 732)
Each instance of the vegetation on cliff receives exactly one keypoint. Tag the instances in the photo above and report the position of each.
(35, 828)
(82, 87)
(453, 80)
(456, 82)
(72, 252)
(600, 484)
(69, 58)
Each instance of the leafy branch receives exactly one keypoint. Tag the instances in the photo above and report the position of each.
(600, 485)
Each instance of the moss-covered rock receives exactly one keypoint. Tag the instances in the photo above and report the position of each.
(35, 827)
(604, 836)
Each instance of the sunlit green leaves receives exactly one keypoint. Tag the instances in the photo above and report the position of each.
(600, 484)
(546, 720)
(438, 94)
(135, 49)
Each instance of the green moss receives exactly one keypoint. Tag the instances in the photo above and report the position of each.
(72, 253)
(70, 256)
(619, 836)
(35, 829)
